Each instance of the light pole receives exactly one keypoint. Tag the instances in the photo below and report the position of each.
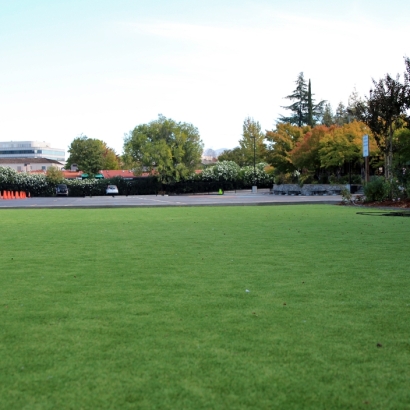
(254, 187)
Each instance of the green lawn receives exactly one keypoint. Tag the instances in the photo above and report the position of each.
(149, 308)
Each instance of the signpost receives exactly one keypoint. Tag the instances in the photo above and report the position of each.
(366, 156)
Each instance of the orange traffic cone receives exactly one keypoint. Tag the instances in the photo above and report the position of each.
(23, 195)
(7, 195)
(17, 195)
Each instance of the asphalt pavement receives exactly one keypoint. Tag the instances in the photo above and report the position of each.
(239, 198)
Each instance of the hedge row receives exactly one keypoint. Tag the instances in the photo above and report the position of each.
(38, 185)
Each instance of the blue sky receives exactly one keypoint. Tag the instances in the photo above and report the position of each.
(102, 67)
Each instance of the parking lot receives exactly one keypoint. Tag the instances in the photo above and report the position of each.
(263, 197)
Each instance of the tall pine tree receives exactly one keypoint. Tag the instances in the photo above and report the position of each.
(304, 110)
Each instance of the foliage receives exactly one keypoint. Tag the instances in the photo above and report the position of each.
(343, 144)
(110, 159)
(383, 111)
(54, 175)
(170, 149)
(327, 118)
(281, 142)
(35, 184)
(288, 178)
(261, 177)
(346, 195)
(252, 142)
(251, 145)
(341, 117)
(306, 151)
(221, 171)
(236, 155)
(401, 144)
(7, 175)
(376, 189)
(303, 110)
(88, 154)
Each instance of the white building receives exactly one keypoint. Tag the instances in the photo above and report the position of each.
(30, 164)
(31, 149)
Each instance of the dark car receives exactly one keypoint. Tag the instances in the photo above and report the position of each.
(62, 189)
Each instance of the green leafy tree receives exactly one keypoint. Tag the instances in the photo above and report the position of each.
(87, 153)
(110, 159)
(54, 176)
(401, 138)
(236, 155)
(252, 142)
(170, 149)
(383, 112)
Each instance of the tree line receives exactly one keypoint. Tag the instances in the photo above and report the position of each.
(311, 143)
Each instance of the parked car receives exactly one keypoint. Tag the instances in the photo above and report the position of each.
(112, 190)
(62, 189)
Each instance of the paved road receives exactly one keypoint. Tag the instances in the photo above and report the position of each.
(229, 198)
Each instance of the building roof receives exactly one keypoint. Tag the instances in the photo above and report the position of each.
(23, 160)
(112, 173)
(72, 174)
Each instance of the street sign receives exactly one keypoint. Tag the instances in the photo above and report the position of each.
(365, 145)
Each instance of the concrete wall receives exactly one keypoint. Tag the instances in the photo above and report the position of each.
(308, 189)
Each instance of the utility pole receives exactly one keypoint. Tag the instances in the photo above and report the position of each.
(254, 187)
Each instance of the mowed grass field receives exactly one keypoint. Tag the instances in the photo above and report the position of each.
(287, 307)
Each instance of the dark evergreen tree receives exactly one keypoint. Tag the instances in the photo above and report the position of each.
(407, 89)
(304, 110)
(353, 101)
(341, 116)
(298, 108)
(310, 106)
(327, 117)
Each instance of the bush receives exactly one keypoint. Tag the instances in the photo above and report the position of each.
(346, 195)
(226, 171)
(377, 189)
(263, 178)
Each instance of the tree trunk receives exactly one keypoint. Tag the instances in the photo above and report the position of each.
(389, 162)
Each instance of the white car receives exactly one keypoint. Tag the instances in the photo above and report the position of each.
(112, 190)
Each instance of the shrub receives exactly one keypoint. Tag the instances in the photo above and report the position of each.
(248, 174)
(227, 171)
(346, 195)
(377, 189)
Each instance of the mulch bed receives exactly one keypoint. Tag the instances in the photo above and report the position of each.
(404, 203)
